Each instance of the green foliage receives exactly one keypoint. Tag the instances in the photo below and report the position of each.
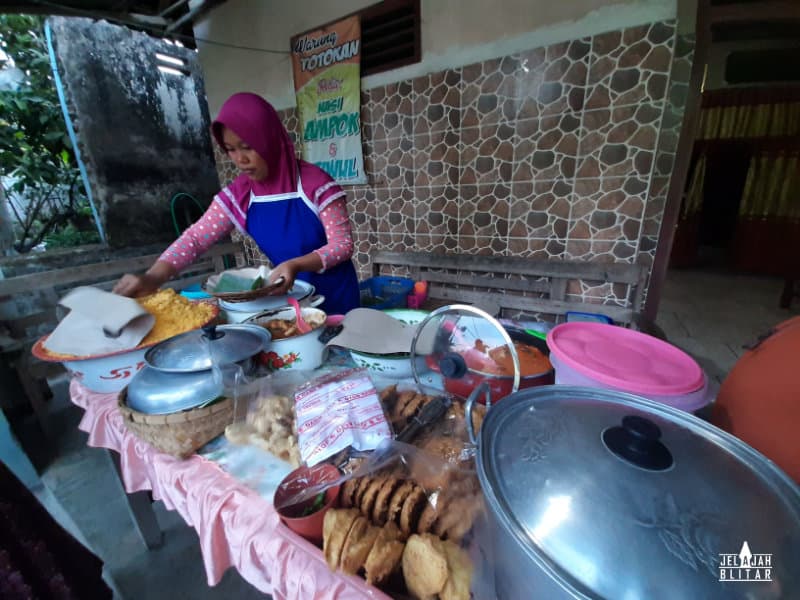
(69, 235)
(35, 151)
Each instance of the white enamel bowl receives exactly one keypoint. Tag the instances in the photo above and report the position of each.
(396, 366)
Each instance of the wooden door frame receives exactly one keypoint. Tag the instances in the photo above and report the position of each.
(683, 158)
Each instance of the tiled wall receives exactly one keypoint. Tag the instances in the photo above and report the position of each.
(556, 152)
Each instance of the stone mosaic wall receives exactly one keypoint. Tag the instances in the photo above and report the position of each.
(558, 152)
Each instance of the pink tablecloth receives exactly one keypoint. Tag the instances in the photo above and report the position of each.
(237, 528)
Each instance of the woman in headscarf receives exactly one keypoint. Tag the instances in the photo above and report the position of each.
(293, 210)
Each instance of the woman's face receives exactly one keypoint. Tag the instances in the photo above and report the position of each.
(244, 157)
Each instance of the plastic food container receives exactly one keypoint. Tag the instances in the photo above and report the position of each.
(293, 516)
(610, 357)
(385, 292)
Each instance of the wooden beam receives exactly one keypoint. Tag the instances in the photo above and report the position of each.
(771, 10)
(683, 157)
(35, 281)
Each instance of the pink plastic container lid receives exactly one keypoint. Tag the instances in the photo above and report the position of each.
(625, 359)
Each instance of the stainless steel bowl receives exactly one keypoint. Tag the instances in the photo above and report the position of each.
(155, 392)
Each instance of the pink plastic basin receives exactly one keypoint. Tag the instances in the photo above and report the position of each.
(611, 357)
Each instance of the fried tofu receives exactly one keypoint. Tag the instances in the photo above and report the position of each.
(424, 565)
(385, 556)
(335, 529)
(357, 545)
(459, 573)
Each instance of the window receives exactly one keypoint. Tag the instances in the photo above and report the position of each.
(390, 36)
(763, 66)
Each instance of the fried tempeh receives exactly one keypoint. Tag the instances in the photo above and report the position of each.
(412, 507)
(388, 397)
(398, 499)
(369, 496)
(412, 406)
(381, 509)
(428, 517)
(347, 493)
(402, 399)
(363, 484)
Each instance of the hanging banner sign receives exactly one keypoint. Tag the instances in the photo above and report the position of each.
(327, 82)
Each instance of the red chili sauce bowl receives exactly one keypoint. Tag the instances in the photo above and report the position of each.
(308, 526)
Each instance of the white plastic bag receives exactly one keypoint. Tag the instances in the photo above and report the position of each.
(337, 411)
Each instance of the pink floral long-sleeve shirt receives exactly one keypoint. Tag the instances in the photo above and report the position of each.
(216, 224)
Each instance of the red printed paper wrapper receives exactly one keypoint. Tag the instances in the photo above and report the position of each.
(337, 411)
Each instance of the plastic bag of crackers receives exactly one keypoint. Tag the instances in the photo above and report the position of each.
(406, 516)
(264, 414)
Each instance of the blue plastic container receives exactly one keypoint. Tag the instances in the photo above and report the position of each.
(194, 292)
(574, 315)
(385, 291)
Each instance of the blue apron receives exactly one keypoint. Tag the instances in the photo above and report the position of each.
(286, 226)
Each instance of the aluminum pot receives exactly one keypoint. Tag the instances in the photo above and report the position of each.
(602, 494)
(302, 351)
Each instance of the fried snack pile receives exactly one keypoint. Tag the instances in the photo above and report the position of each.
(401, 407)
(270, 424)
(449, 511)
(431, 568)
(174, 314)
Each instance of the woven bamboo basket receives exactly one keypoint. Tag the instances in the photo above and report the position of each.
(178, 434)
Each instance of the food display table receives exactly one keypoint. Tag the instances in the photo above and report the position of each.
(236, 526)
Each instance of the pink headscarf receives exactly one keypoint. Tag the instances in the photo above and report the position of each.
(257, 123)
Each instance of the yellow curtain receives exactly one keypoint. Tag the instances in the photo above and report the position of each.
(772, 187)
(693, 201)
(750, 120)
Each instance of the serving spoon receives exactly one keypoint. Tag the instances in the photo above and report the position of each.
(302, 326)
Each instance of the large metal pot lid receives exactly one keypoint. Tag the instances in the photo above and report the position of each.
(456, 339)
(620, 497)
(194, 350)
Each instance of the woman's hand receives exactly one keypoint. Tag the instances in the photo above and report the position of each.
(288, 270)
(134, 286)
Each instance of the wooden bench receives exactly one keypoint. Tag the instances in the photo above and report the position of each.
(18, 334)
(514, 287)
